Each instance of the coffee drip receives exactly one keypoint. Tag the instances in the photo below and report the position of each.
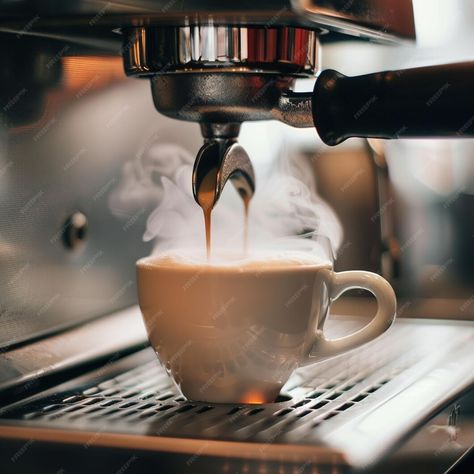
(205, 198)
(216, 163)
(246, 200)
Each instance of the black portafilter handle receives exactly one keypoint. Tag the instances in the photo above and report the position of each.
(435, 101)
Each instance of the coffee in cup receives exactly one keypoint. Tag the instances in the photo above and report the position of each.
(233, 329)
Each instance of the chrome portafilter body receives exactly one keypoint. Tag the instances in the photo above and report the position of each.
(221, 76)
(281, 50)
(220, 73)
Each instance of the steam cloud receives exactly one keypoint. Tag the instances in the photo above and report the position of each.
(287, 217)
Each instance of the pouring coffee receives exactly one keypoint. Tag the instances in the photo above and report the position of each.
(217, 162)
(233, 328)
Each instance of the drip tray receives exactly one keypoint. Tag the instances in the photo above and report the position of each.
(352, 409)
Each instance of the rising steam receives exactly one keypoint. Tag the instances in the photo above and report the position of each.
(287, 217)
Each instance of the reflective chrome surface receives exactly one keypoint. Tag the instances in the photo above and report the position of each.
(201, 48)
(376, 19)
(228, 160)
(225, 74)
(25, 366)
(69, 123)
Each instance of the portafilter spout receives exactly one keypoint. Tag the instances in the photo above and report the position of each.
(221, 158)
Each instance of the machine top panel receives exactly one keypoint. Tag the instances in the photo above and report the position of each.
(379, 20)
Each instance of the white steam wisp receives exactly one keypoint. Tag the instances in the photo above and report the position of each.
(287, 217)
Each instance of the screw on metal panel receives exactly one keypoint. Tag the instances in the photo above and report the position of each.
(75, 230)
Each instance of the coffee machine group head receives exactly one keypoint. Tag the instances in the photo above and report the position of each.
(221, 76)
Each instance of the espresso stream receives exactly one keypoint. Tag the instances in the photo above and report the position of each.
(206, 199)
(246, 199)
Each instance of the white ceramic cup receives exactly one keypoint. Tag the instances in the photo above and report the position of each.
(235, 333)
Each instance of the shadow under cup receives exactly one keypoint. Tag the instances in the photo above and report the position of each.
(232, 334)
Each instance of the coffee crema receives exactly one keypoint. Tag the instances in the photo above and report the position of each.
(249, 262)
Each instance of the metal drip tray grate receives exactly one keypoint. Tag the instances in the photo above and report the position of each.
(135, 395)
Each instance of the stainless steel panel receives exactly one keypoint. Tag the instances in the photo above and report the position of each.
(386, 19)
(69, 123)
(24, 368)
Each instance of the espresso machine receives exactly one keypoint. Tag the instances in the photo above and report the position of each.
(221, 75)
(80, 387)
(221, 66)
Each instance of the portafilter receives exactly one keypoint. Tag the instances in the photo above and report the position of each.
(221, 76)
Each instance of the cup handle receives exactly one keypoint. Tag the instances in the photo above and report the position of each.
(338, 283)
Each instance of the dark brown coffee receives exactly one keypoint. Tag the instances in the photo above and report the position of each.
(206, 199)
(246, 198)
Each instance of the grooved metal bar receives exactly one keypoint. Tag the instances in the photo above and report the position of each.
(338, 406)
